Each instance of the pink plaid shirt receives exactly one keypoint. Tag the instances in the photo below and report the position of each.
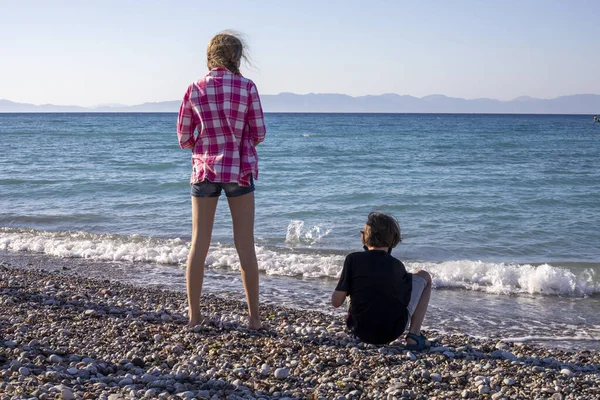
(227, 112)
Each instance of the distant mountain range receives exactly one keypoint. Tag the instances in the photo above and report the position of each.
(385, 103)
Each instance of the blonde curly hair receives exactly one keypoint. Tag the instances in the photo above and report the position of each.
(226, 49)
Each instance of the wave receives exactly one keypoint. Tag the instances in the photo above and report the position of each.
(489, 277)
(508, 278)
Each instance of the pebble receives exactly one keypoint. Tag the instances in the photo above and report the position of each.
(147, 378)
(133, 353)
(55, 359)
(125, 382)
(502, 346)
(567, 372)
(435, 377)
(281, 373)
(67, 394)
(508, 381)
(203, 394)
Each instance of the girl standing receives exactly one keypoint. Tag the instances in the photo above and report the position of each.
(225, 109)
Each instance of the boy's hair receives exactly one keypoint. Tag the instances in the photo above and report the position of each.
(381, 230)
(226, 49)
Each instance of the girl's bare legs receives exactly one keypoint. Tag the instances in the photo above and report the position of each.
(203, 217)
(242, 216)
(419, 315)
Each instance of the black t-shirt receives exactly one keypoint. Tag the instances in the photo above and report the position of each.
(379, 288)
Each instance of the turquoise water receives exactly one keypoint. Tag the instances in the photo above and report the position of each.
(492, 205)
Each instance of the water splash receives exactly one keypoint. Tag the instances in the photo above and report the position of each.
(298, 235)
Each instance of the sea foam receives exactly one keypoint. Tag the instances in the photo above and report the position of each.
(489, 277)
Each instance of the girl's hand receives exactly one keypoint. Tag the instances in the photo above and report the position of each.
(256, 144)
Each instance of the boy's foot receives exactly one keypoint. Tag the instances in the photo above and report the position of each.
(417, 342)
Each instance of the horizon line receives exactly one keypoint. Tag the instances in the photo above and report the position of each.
(116, 105)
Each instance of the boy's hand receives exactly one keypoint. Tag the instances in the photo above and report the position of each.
(338, 297)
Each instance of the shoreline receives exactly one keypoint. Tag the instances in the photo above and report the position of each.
(544, 321)
(74, 337)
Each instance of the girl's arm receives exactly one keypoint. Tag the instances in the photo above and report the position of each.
(186, 122)
(256, 119)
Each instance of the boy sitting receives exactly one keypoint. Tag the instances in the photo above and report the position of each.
(383, 296)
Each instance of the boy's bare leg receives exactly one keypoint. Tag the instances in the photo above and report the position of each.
(242, 215)
(419, 315)
(203, 216)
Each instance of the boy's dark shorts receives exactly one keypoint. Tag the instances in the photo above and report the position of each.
(207, 188)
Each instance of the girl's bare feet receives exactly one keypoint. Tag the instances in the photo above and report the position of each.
(197, 320)
(254, 324)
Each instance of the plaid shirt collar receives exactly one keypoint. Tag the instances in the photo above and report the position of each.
(220, 71)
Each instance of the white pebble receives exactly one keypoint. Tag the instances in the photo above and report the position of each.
(502, 346)
(73, 371)
(567, 372)
(282, 373)
(508, 381)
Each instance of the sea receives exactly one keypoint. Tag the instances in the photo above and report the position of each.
(502, 210)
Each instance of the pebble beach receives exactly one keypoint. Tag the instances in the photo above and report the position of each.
(63, 336)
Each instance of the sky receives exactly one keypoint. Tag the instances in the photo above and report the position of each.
(129, 52)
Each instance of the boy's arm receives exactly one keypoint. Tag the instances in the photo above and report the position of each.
(343, 287)
(338, 297)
